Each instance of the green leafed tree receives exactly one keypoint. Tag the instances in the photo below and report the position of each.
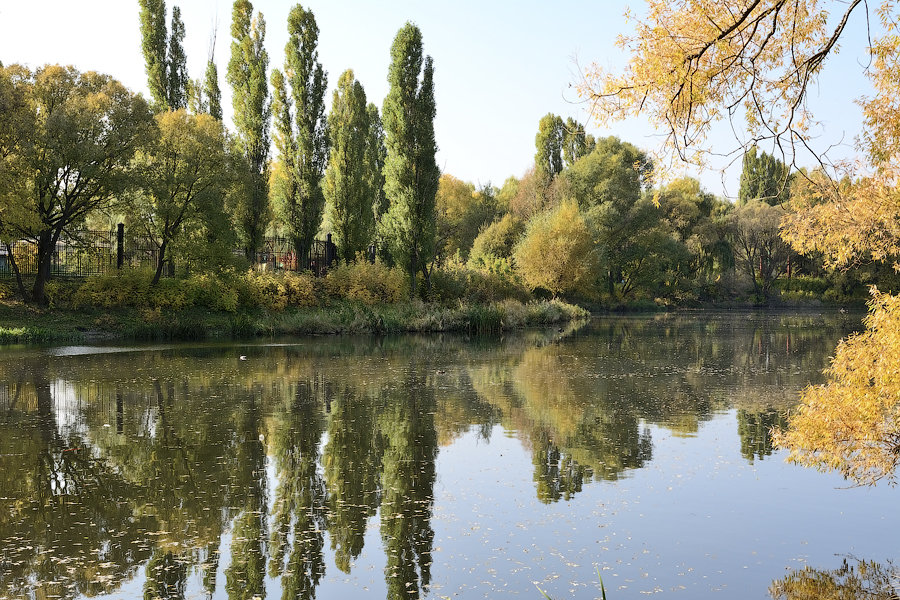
(154, 42)
(177, 78)
(252, 111)
(347, 197)
(575, 142)
(68, 164)
(763, 178)
(212, 91)
(548, 160)
(301, 130)
(376, 153)
(182, 176)
(164, 57)
(411, 171)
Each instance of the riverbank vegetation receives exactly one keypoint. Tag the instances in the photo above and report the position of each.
(356, 298)
(588, 223)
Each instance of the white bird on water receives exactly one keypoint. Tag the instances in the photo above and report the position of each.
(243, 357)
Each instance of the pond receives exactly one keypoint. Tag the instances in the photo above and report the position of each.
(636, 448)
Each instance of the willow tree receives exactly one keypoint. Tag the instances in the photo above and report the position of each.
(411, 172)
(182, 177)
(301, 130)
(252, 111)
(698, 62)
(70, 166)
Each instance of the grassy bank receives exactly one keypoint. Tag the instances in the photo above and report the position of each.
(22, 323)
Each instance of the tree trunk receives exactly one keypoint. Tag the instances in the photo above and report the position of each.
(160, 263)
(15, 267)
(46, 245)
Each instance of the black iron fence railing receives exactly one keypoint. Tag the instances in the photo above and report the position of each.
(86, 253)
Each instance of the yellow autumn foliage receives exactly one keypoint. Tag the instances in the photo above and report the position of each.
(556, 252)
(850, 424)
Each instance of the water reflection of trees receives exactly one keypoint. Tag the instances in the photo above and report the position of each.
(191, 455)
(854, 580)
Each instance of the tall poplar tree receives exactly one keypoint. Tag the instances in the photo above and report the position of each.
(348, 201)
(548, 160)
(213, 93)
(301, 130)
(252, 111)
(764, 178)
(177, 79)
(164, 57)
(411, 172)
(375, 157)
(153, 44)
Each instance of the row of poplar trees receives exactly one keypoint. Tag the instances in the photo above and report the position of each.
(372, 178)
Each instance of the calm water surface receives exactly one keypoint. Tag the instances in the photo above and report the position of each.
(435, 467)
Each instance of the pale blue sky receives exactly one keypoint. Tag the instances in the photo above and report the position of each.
(499, 66)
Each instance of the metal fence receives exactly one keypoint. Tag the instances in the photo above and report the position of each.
(86, 253)
(277, 254)
(79, 255)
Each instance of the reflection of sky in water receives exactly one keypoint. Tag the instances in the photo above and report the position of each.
(660, 409)
(83, 350)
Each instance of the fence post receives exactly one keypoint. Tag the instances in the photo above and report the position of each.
(329, 251)
(120, 245)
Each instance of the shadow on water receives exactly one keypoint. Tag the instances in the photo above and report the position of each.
(235, 465)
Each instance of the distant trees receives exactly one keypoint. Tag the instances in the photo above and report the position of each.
(548, 159)
(301, 129)
(759, 250)
(411, 172)
(764, 178)
(559, 144)
(252, 113)
(462, 212)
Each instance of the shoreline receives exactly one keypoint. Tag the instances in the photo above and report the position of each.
(22, 323)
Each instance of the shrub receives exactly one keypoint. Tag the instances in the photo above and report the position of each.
(457, 282)
(264, 289)
(367, 283)
(216, 292)
(128, 288)
(496, 242)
